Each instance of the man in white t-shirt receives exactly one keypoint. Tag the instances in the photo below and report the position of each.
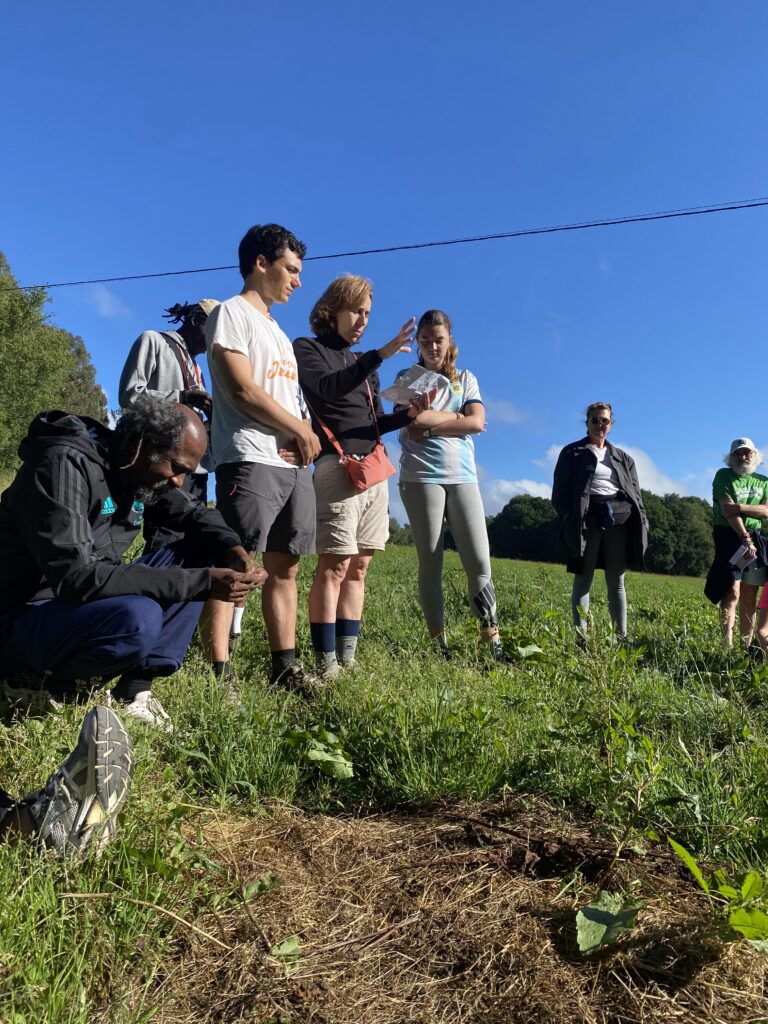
(262, 440)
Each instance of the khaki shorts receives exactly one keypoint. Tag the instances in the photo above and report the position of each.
(348, 521)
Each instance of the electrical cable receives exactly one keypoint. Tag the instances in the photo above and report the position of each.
(639, 218)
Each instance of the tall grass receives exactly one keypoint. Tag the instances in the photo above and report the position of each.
(666, 737)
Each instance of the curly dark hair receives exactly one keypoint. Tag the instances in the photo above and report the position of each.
(269, 241)
(160, 425)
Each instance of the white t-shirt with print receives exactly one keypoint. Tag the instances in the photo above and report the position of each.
(238, 326)
(443, 460)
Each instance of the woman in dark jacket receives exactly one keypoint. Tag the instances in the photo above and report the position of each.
(603, 524)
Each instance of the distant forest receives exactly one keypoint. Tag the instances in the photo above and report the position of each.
(41, 367)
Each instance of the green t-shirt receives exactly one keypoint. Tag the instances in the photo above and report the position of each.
(744, 490)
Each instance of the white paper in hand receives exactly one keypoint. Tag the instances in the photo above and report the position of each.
(741, 558)
(413, 382)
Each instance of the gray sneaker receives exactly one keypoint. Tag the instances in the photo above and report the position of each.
(295, 678)
(77, 809)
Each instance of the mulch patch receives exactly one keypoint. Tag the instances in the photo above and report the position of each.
(463, 913)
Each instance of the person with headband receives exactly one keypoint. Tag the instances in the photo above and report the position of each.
(597, 498)
(438, 485)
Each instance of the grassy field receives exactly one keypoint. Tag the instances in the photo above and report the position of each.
(250, 872)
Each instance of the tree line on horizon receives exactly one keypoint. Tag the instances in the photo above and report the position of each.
(41, 367)
(679, 536)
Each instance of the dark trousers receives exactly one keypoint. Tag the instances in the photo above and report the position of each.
(130, 636)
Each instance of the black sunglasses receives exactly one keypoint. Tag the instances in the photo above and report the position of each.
(601, 420)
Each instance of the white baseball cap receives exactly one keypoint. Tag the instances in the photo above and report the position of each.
(741, 442)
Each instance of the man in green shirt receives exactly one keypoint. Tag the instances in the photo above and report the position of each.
(740, 503)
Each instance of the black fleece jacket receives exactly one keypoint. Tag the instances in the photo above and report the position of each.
(333, 380)
(67, 520)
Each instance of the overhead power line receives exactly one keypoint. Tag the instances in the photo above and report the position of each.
(638, 218)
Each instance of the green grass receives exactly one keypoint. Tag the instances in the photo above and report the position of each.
(665, 738)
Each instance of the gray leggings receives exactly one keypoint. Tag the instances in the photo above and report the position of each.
(614, 544)
(461, 506)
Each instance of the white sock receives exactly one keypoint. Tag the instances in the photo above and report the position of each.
(237, 620)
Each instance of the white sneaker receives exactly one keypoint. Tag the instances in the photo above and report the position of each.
(78, 807)
(148, 709)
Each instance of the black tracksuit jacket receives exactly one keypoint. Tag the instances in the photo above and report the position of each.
(66, 522)
(333, 380)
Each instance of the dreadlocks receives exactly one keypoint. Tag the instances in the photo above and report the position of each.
(182, 312)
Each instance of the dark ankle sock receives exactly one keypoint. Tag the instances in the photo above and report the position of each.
(323, 637)
(219, 668)
(282, 660)
(132, 683)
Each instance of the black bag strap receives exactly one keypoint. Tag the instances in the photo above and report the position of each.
(186, 376)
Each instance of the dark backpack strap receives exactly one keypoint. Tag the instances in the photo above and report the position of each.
(186, 376)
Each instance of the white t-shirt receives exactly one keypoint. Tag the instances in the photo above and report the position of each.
(605, 482)
(238, 326)
(443, 460)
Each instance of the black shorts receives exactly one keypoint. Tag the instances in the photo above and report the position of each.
(272, 509)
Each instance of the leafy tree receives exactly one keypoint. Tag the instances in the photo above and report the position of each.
(399, 534)
(81, 393)
(41, 367)
(525, 528)
(679, 536)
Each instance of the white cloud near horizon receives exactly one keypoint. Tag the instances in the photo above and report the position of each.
(651, 477)
(105, 302)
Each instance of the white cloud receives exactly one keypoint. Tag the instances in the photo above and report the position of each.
(497, 492)
(650, 476)
(550, 457)
(105, 302)
(500, 411)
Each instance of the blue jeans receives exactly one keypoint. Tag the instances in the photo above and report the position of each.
(105, 638)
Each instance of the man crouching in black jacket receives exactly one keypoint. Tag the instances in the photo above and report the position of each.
(70, 608)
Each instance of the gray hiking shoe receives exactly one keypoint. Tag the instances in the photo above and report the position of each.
(228, 684)
(77, 809)
(295, 678)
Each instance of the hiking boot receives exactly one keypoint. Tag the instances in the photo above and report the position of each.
(440, 648)
(228, 684)
(295, 678)
(326, 667)
(78, 807)
(497, 653)
(147, 709)
(27, 694)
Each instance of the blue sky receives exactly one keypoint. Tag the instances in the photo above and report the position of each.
(148, 137)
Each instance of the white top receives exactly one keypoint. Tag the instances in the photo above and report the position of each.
(238, 326)
(605, 482)
(442, 460)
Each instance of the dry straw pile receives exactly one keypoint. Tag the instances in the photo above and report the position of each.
(462, 914)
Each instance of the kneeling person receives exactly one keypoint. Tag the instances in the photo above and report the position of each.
(70, 608)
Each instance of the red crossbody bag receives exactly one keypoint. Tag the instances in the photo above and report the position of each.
(369, 470)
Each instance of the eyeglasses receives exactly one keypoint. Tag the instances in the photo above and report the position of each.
(602, 421)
